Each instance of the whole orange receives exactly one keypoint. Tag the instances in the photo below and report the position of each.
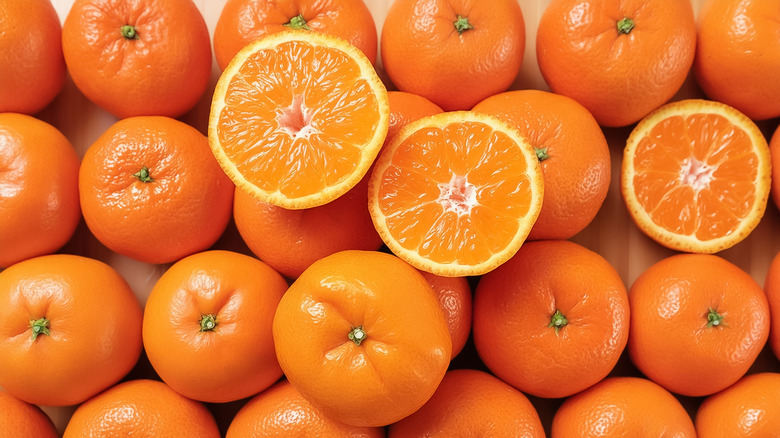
(698, 322)
(553, 320)
(748, 408)
(620, 59)
(70, 327)
(453, 52)
(243, 21)
(573, 153)
(454, 294)
(281, 411)
(361, 335)
(31, 62)
(145, 408)
(138, 57)
(471, 403)
(39, 198)
(772, 290)
(23, 420)
(207, 326)
(622, 407)
(150, 189)
(738, 55)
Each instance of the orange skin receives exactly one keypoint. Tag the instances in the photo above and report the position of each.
(89, 329)
(622, 407)
(31, 62)
(738, 55)
(549, 284)
(146, 408)
(361, 335)
(772, 290)
(454, 295)
(574, 157)
(748, 408)
(141, 57)
(471, 403)
(619, 77)
(405, 108)
(207, 326)
(281, 411)
(698, 322)
(39, 199)
(774, 151)
(20, 419)
(183, 209)
(243, 21)
(424, 53)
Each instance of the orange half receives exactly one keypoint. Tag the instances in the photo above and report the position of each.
(456, 193)
(696, 176)
(297, 118)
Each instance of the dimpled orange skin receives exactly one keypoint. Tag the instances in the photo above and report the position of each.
(243, 21)
(94, 323)
(772, 290)
(672, 341)
(235, 358)
(281, 411)
(405, 350)
(31, 62)
(472, 403)
(622, 407)
(454, 295)
(23, 420)
(39, 198)
(405, 108)
(748, 408)
(423, 53)
(144, 408)
(738, 55)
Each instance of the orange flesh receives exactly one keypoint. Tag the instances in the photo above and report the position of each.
(454, 194)
(696, 175)
(297, 118)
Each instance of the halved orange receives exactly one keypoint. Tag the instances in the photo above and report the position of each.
(456, 193)
(696, 175)
(297, 118)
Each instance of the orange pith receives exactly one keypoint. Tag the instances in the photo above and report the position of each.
(297, 118)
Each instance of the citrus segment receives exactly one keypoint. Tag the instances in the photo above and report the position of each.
(696, 175)
(456, 193)
(297, 118)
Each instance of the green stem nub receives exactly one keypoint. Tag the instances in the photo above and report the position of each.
(297, 22)
(39, 327)
(462, 24)
(625, 25)
(557, 321)
(143, 175)
(357, 335)
(208, 322)
(541, 153)
(714, 318)
(129, 32)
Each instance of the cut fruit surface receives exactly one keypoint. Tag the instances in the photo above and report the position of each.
(696, 176)
(297, 118)
(456, 193)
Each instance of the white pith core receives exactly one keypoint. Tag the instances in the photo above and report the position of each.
(296, 119)
(696, 174)
(458, 195)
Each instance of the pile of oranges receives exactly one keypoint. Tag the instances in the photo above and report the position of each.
(369, 219)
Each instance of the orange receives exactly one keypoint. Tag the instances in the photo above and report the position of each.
(553, 320)
(696, 176)
(138, 57)
(281, 411)
(145, 408)
(23, 420)
(772, 290)
(405, 108)
(70, 327)
(39, 198)
(456, 193)
(698, 322)
(454, 294)
(622, 407)
(774, 153)
(572, 150)
(738, 55)
(360, 334)
(297, 118)
(150, 189)
(620, 59)
(243, 21)
(207, 326)
(748, 408)
(31, 62)
(453, 52)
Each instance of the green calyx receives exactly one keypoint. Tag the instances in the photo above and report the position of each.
(143, 175)
(625, 25)
(357, 335)
(462, 24)
(208, 322)
(129, 32)
(39, 327)
(297, 22)
(714, 319)
(541, 153)
(557, 321)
